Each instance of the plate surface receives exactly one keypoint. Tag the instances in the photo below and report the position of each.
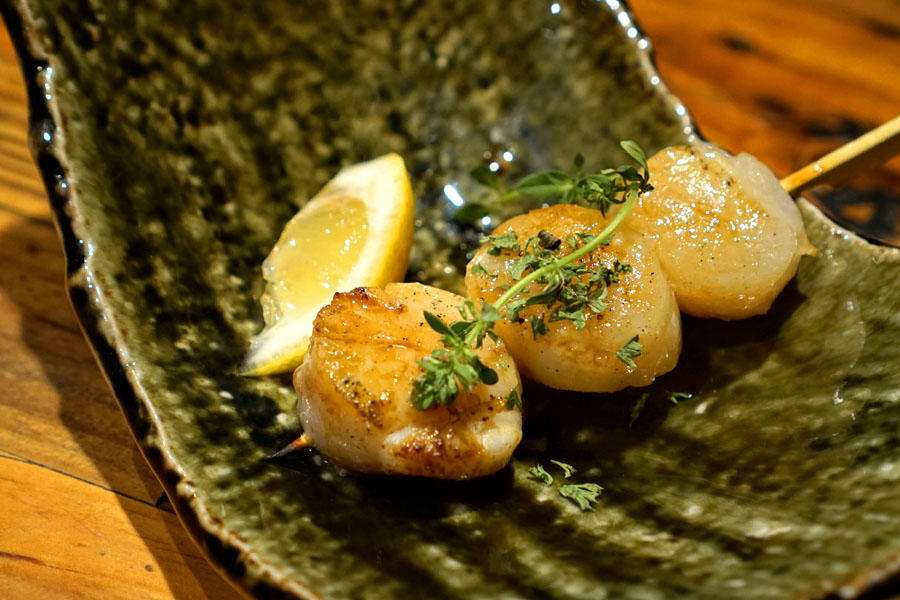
(177, 138)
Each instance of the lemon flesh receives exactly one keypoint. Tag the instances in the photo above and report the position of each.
(355, 232)
(297, 278)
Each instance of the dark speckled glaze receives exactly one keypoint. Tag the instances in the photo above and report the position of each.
(177, 138)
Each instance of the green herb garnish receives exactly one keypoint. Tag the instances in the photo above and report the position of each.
(598, 190)
(563, 285)
(477, 269)
(538, 472)
(583, 494)
(454, 367)
(568, 470)
(631, 350)
(499, 242)
(538, 327)
(676, 397)
(514, 401)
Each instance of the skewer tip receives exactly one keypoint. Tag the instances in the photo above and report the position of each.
(301, 443)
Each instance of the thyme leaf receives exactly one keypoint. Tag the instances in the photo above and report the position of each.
(676, 397)
(500, 242)
(568, 470)
(513, 401)
(631, 350)
(583, 494)
(538, 472)
(538, 327)
(478, 269)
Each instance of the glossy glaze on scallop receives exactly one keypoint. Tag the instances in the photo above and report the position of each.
(727, 234)
(642, 304)
(355, 385)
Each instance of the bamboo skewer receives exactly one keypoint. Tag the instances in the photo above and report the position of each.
(853, 158)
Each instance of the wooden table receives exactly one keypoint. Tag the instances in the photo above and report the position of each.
(81, 515)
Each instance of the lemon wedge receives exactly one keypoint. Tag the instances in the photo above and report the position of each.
(355, 232)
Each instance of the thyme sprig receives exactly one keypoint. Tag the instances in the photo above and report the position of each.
(599, 190)
(565, 287)
(456, 366)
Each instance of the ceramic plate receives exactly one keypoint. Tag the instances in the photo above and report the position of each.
(176, 139)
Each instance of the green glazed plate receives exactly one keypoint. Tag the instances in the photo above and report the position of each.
(176, 139)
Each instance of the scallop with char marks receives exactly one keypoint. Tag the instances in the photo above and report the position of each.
(355, 385)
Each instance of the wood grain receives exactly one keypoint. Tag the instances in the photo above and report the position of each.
(67, 537)
(782, 80)
(79, 511)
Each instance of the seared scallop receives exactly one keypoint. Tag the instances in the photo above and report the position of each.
(640, 304)
(355, 385)
(728, 236)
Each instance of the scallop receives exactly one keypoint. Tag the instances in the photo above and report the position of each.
(355, 385)
(728, 236)
(641, 304)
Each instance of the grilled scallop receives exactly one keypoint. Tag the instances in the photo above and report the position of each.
(355, 385)
(727, 234)
(641, 303)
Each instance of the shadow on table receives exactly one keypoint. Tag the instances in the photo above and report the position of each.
(32, 278)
